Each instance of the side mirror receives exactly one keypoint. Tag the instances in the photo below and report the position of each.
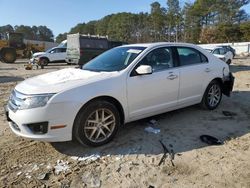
(144, 69)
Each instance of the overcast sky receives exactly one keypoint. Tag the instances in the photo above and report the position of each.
(61, 15)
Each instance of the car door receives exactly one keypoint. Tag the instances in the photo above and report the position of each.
(194, 69)
(53, 54)
(61, 54)
(153, 93)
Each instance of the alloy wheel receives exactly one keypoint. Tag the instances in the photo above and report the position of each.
(99, 125)
(214, 95)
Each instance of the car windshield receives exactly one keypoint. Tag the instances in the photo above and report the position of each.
(48, 51)
(115, 59)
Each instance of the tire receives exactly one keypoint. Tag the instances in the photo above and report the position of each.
(213, 92)
(44, 62)
(228, 62)
(89, 126)
(8, 55)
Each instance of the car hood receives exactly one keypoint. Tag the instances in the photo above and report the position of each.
(38, 54)
(61, 80)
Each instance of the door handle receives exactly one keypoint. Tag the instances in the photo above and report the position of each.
(172, 77)
(207, 70)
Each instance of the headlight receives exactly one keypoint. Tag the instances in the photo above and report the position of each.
(34, 101)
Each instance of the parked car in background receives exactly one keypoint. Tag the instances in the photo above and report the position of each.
(222, 53)
(83, 48)
(53, 55)
(121, 85)
(228, 47)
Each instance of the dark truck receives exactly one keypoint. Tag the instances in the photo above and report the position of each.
(83, 48)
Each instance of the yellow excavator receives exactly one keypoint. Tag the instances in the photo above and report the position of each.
(15, 47)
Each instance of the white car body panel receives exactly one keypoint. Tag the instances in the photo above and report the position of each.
(143, 99)
(191, 79)
(140, 96)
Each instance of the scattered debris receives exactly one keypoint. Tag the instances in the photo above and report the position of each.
(153, 122)
(49, 167)
(118, 157)
(152, 130)
(61, 167)
(91, 180)
(28, 176)
(44, 176)
(90, 158)
(35, 167)
(210, 140)
(228, 113)
(166, 151)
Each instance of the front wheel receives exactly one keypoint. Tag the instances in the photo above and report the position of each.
(212, 96)
(8, 55)
(97, 123)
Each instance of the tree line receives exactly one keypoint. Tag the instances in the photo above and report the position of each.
(204, 21)
(41, 33)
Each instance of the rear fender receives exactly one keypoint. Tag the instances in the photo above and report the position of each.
(227, 86)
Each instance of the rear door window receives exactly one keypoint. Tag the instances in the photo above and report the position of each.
(190, 56)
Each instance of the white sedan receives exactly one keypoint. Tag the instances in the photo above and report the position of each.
(124, 84)
(222, 53)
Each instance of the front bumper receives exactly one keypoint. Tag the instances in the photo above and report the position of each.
(228, 85)
(51, 115)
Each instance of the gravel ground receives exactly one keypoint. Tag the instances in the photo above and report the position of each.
(132, 159)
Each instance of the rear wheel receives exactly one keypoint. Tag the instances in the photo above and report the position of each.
(212, 96)
(97, 123)
(8, 55)
(228, 62)
(44, 62)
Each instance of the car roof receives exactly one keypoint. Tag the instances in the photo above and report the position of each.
(212, 47)
(156, 44)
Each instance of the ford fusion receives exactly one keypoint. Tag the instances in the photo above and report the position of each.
(123, 84)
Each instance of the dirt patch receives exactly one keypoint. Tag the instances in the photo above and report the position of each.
(132, 159)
